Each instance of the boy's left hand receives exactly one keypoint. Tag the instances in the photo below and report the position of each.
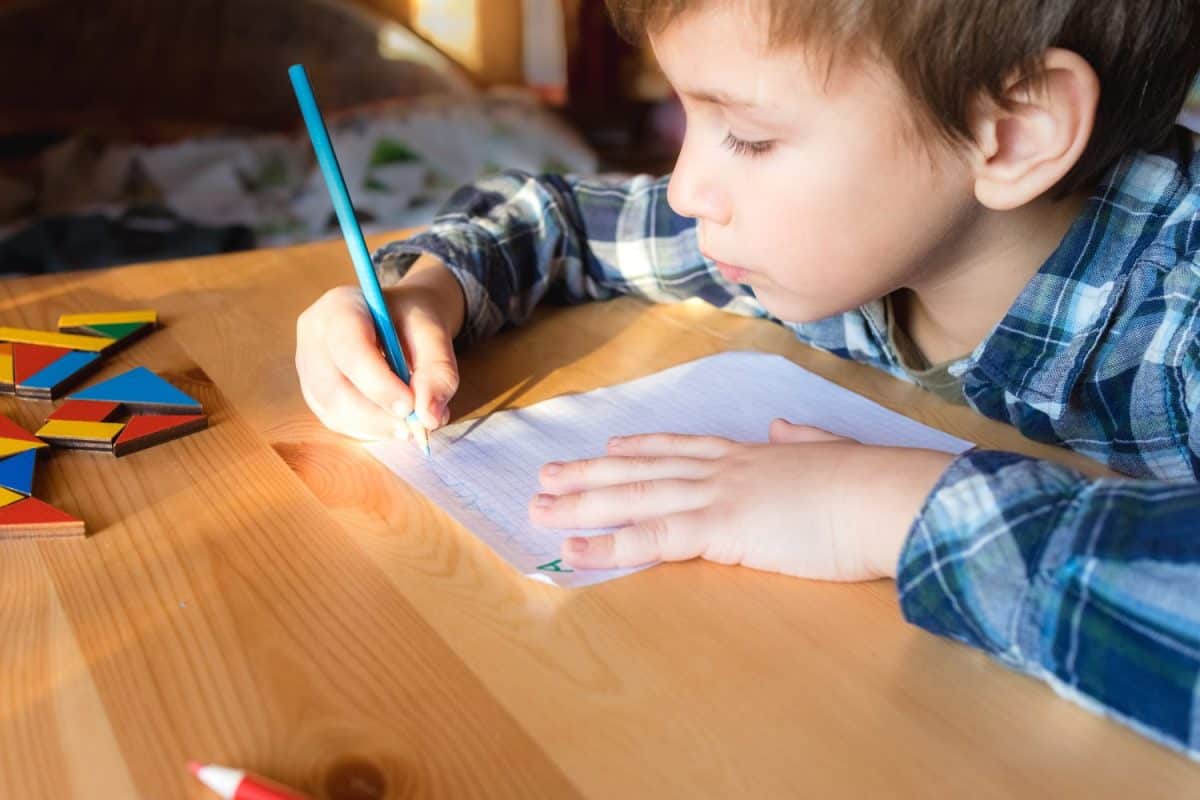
(807, 503)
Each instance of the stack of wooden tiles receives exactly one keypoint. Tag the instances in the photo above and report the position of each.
(42, 365)
(155, 412)
(21, 514)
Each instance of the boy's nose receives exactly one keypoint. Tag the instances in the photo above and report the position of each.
(692, 192)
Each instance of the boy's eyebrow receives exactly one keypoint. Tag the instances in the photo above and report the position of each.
(718, 97)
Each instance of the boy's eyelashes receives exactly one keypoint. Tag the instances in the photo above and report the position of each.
(742, 147)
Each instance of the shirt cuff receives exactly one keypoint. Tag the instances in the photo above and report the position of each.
(979, 561)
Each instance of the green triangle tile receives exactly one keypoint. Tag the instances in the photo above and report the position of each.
(117, 330)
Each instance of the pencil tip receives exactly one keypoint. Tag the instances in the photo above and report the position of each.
(420, 435)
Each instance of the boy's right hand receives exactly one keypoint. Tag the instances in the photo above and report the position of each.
(344, 376)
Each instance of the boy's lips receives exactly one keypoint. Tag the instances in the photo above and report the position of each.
(731, 273)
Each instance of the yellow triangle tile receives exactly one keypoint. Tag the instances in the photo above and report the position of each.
(73, 429)
(107, 318)
(6, 363)
(8, 497)
(71, 341)
(10, 447)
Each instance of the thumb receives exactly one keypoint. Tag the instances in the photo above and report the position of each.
(784, 432)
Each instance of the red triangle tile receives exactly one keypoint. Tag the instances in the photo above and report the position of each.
(32, 517)
(29, 359)
(146, 430)
(11, 430)
(85, 411)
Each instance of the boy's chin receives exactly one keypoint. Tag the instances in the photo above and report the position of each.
(799, 312)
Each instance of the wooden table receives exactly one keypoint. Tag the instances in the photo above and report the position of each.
(264, 594)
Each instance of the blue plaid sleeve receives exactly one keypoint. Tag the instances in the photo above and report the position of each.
(513, 239)
(1090, 585)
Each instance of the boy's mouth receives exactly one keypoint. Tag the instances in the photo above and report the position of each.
(730, 272)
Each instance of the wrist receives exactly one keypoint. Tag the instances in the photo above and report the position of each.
(894, 490)
(432, 281)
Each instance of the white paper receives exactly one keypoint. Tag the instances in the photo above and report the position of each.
(483, 472)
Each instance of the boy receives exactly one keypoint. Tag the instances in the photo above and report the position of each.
(988, 198)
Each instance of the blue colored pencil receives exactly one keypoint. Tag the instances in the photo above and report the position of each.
(336, 184)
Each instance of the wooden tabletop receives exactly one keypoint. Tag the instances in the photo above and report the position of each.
(264, 594)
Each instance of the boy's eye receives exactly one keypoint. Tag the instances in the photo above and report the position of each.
(742, 147)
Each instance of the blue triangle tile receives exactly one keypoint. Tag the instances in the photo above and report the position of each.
(16, 471)
(60, 370)
(139, 386)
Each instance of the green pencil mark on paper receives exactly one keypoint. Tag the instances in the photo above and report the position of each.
(554, 566)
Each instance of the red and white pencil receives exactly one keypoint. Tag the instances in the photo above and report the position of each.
(237, 784)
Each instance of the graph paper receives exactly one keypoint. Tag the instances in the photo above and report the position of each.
(483, 472)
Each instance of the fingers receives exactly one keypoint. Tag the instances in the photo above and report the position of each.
(348, 382)
(434, 367)
(576, 476)
(784, 432)
(354, 351)
(671, 444)
(675, 537)
(619, 505)
(343, 408)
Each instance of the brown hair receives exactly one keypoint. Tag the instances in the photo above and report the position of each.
(950, 53)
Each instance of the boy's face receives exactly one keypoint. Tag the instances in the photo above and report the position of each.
(814, 193)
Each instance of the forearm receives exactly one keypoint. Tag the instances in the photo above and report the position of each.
(513, 239)
(1089, 584)
(440, 292)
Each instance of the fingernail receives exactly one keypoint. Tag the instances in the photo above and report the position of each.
(436, 409)
(553, 468)
(544, 500)
(401, 409)
(577, 544)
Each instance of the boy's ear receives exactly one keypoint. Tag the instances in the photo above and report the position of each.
(1024, 150)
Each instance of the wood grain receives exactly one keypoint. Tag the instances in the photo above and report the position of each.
(265, 594)
(222, 615)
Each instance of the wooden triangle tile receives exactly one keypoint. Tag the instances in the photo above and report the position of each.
(122, 327)
(16, 471)
(91, 319)
(76, 435)
(29, 359)
(141, 389)
(11, 430)
(117, 331)
(30, 517)
(6, 366)
(68, 341)
(85, 411)
(8, 497)
(15, 439)
(148, 430)
(10, 446)
(52, 380)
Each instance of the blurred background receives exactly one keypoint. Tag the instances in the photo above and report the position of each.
(135, 130)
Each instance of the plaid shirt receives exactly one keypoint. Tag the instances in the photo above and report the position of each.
(1088, 584)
